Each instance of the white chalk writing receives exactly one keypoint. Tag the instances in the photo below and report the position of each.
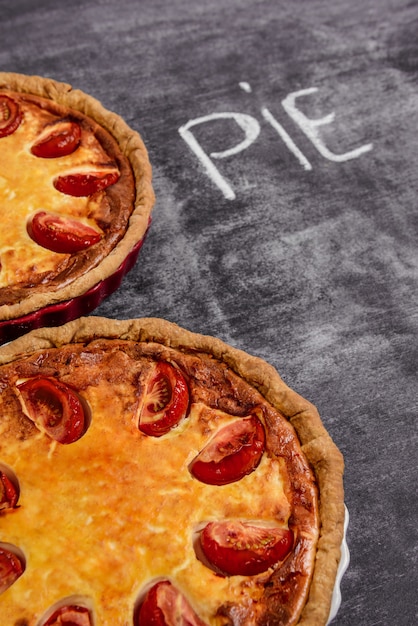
(310, 128)
(251, 129)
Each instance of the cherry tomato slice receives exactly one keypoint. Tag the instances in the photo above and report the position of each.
(54, 408)
(9, 493)
(71, 615)
(164, 605)
(10, 116)
(166, 401)
(234, 451)
(61, 234)
(237, 548)
(11, 568)
(58, 140)
(85, 183)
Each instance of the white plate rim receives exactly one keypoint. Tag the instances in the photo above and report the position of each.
(342, 567)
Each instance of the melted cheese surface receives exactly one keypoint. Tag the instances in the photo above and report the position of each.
(26, 187)
(105, 516)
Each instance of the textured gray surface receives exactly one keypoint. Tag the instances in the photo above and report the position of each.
(315, 270)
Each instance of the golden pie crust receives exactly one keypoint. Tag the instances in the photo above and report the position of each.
(32, 277)
(298, 481)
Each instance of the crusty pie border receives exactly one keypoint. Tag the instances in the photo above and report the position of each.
(321, 452)
(131, 146)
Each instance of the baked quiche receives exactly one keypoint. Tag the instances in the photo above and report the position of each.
(151, 476)
(75, 193)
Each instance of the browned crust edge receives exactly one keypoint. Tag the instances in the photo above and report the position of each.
(321, 452)
(131, 145)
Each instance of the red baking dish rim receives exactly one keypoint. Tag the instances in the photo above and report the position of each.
(62, 312)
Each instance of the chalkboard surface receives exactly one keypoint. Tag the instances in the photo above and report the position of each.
(284, 142)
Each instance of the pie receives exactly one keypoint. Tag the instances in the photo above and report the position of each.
(75, 193)
(150, 476)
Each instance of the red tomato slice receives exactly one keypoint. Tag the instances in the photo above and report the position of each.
(58, 140)
(10, 116)
(71, 615)
(11, 568)
(234, 451)
(54, 408)
(237, 548)
(9, 493)
(166, 401)
(164, 605)
(61, 234)
(85, 183)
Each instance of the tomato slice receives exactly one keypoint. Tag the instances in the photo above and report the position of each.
(9, 493)
(57, 140)
(61, 234)
(11, 568)
(234, 451)
(54, 408)
(71, 615)
(85, 183)
(164, 605)
(166, 400)
(10, 116)
(236, 548)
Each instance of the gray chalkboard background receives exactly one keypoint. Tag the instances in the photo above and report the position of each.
(299, 245)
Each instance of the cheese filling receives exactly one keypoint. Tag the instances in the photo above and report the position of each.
(105, 516)
(26, 188)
